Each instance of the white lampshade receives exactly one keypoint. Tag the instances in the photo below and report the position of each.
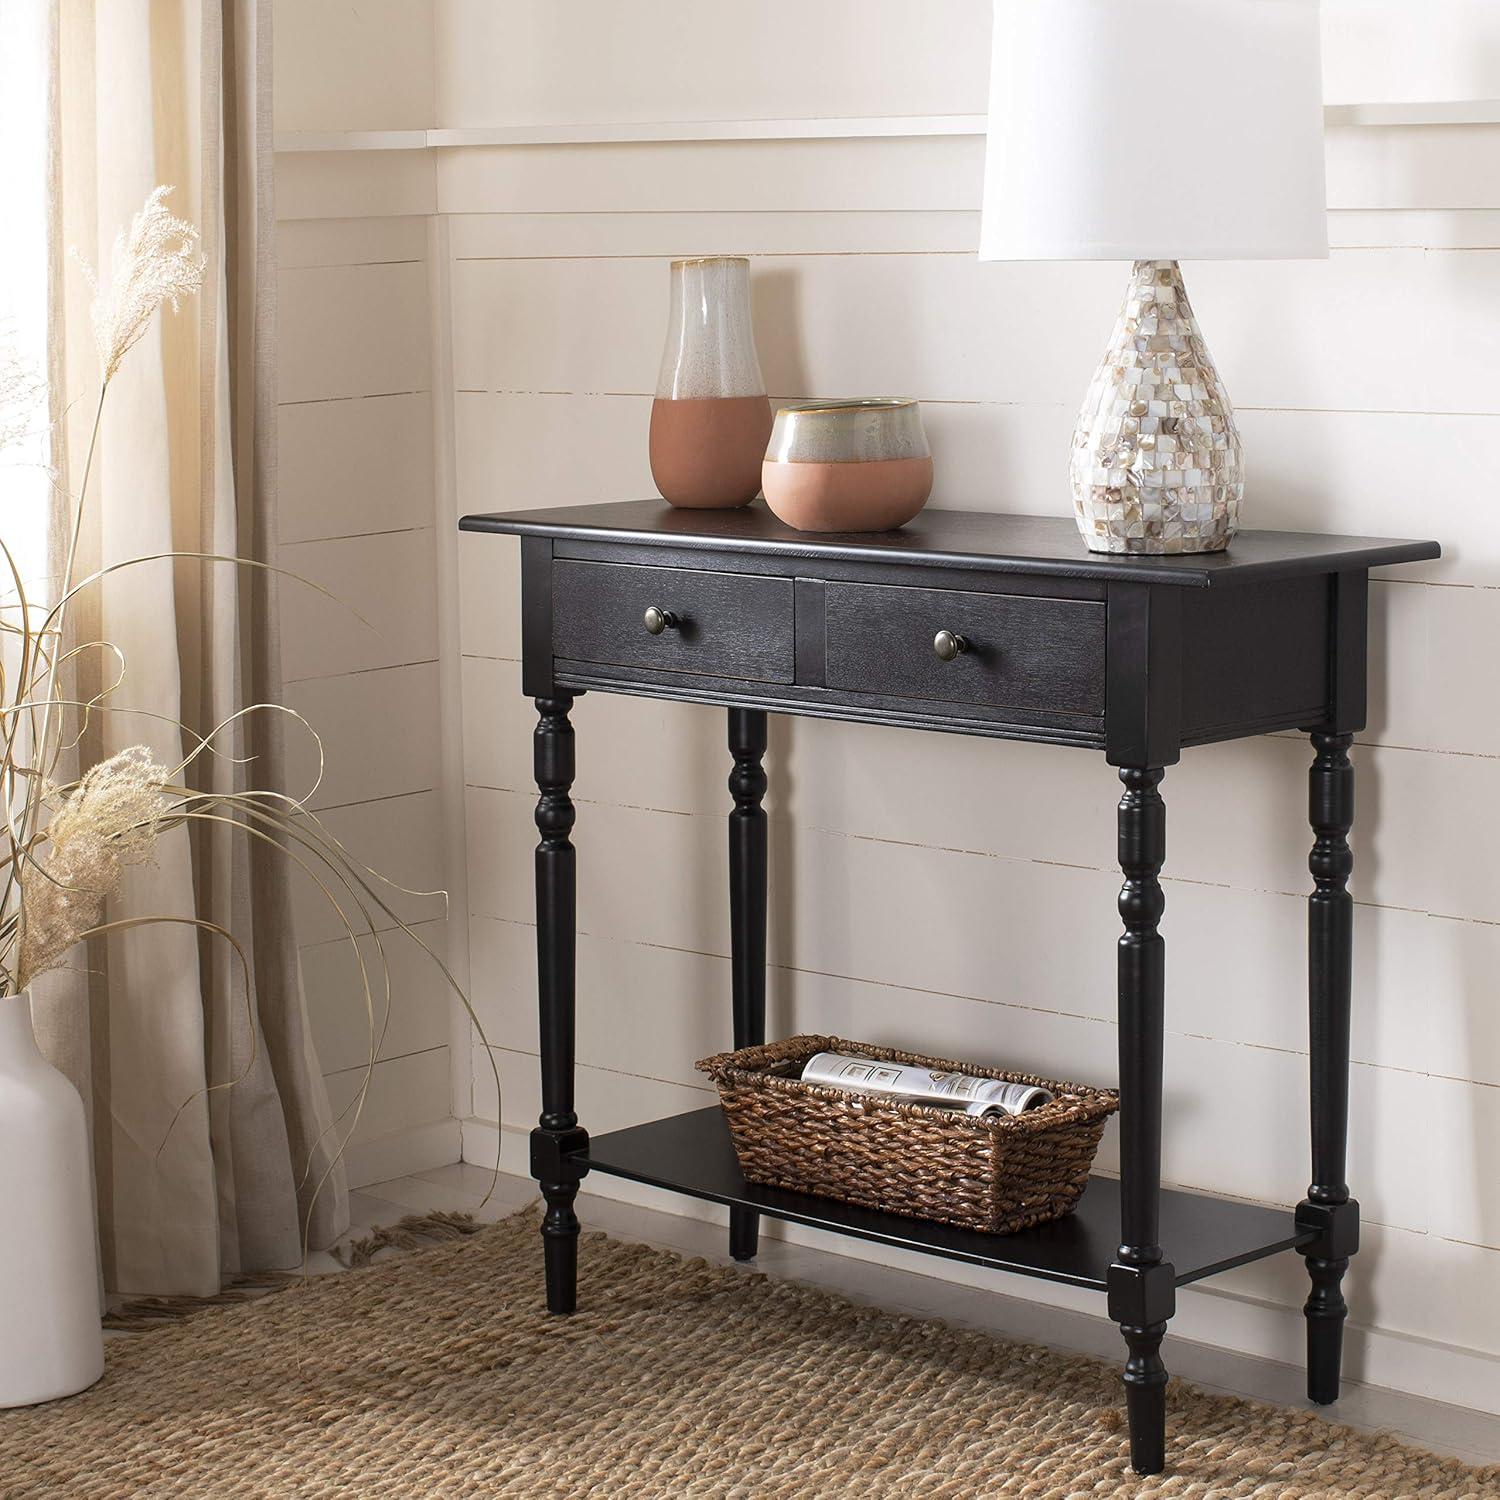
(1155, 130)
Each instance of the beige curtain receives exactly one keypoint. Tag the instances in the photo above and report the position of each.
(178, 91)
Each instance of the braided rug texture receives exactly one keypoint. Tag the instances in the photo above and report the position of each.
(436, 1374)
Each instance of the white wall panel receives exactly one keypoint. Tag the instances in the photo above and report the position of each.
(1394, 49)
(490, 599)
(371, 604)
(356, 466)
(1299, 334)
(843, 904)
(397, 1098)
(1414, 167)
(301, 243)
(527, 452)
(825, 176)
(354, 184)
(353, 331)
(614, 1099)
(1399, 953)
(686, 771)
(417, 1020)
(1043, 805)
(376, 734)
(355, 514)
(1427, 167)
(1430, 1290)
(1376, 474)
(401, 838)
(353, 64)
(506, 236)
(512, 61)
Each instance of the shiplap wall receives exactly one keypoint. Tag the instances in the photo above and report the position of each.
(958, 895)
(357, 518)
(1369, 400)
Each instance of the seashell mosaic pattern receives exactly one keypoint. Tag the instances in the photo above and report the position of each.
(1157, 463)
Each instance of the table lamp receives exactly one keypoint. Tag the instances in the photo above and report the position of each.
(1155, 131)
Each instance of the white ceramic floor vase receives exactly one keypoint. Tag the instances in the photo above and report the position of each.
(51, 1343)
(1157, 463)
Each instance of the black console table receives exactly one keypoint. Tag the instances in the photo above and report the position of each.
(977, 624)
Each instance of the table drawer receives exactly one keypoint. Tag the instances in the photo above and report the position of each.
(718, 624)
(1018, 651)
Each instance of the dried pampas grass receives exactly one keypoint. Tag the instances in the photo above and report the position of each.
(107, 822)
(66, 848)
(156, 261)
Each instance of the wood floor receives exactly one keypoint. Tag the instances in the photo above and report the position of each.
(1472, 1436)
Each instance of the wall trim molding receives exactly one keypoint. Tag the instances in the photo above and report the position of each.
(1442, 112)
(1437, 112)
(404, 1153)
(452, 793)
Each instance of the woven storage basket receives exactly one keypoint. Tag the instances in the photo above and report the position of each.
(996, 1175)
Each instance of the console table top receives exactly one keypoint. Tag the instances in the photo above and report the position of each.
(1038, 545)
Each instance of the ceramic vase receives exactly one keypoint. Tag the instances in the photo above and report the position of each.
(711, 418)
(859, 465)
(1157, 464)
(51, 1344)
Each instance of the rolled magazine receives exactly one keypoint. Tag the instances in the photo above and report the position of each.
(959, 1091)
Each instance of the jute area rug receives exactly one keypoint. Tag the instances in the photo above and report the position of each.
(436, 1374)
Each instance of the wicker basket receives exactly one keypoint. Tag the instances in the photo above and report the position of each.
(996, 1175)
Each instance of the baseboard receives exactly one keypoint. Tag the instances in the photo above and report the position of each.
(404, 1153)
(482, 1139)
(1259, 1333)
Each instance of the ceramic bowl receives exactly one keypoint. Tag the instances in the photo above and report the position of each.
(860, 465)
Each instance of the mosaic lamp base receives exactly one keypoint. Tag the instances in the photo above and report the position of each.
(1157, 464)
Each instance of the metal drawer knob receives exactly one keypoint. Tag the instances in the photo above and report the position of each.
(658, 620)
(947, 645)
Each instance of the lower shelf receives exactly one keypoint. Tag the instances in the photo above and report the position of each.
(1200, 1236)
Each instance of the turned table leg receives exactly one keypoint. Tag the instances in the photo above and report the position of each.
(747, 914)
(1328, 1208)
(1142, 1285)
(557, 1134)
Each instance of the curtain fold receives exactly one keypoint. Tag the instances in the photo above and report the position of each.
(197, 1180)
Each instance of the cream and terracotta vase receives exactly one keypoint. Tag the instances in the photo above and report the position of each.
(857, 465)
(711, 418)
(51, 1344)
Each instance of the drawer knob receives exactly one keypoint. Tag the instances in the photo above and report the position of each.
(658, 620)
(948, 646)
